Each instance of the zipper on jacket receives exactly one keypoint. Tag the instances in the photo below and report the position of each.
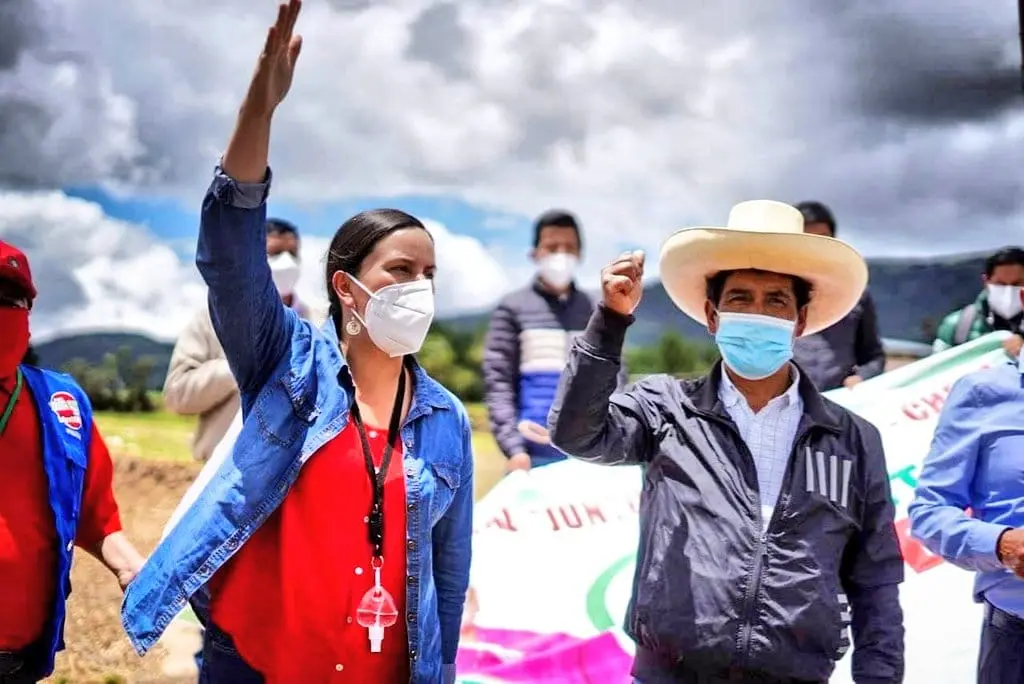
(753, 587)
(761, 549)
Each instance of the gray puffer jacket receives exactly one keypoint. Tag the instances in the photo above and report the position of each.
(710, 587)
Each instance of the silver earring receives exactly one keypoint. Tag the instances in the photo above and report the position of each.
(353, 327)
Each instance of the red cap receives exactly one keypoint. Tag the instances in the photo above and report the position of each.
(14, 268)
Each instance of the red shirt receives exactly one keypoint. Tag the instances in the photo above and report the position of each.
(288, 598)
(28, 541)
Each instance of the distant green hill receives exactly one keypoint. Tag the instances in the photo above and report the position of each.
(912, 297)
(92, 347)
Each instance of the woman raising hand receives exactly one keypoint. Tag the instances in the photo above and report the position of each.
(334, 543)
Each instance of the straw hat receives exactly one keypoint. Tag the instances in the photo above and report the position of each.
(768, 236)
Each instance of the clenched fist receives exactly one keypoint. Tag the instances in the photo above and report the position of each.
(622, 283)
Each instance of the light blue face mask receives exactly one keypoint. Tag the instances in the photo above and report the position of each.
(754, 346)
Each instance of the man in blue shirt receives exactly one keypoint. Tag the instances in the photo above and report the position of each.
(976, 462)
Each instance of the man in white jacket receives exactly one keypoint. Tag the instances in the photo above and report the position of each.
(199, 381)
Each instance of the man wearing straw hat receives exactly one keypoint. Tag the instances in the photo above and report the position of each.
(766, 522)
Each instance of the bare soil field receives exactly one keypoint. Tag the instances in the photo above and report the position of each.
(148, 487)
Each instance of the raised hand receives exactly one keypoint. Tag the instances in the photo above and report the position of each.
(622, 283)
(245, 158)
(276, 65)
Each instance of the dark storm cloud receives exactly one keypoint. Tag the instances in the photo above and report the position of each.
(22, 122)
(894, 113)
(350, 5)
(59, 123)
(437, 37)
(18, 30)
(930, 64)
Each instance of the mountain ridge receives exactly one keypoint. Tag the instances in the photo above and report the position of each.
(911, 295)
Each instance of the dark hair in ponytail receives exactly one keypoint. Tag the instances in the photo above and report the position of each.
(354, 240)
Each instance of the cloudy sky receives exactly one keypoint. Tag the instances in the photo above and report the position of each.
(906, 117)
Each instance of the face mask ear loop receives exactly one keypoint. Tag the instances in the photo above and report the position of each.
(362, 287)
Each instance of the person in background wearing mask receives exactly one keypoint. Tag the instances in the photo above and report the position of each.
(766, 524)
(55, 491)
(849, 352)
(199, 381)
(998, 307)
(527, 341)
(334, 545)
(975, 465)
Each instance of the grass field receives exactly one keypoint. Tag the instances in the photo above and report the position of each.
(164, 436)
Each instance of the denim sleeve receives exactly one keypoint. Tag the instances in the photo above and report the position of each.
(937, 513)
(452, 550)
(871, 573)
(588, 419)
(248, 316)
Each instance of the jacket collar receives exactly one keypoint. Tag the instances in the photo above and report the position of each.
(704, 394)
(427, 393)
(539, 288)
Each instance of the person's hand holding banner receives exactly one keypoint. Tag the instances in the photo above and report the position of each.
(535, 432)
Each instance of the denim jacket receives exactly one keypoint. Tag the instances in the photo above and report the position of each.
(291, 379)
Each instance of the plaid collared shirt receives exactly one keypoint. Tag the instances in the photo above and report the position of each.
(769, 435)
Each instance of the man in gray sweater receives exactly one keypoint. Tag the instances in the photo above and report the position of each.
(199, 381)
(850, 351)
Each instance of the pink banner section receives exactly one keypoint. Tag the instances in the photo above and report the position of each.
(511, 656)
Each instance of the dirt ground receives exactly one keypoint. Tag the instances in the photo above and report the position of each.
(147, 491)
(97, 649)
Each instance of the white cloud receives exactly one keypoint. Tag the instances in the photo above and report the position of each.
(469, 278)
(94, 272)
(97, 273)
(640, 117)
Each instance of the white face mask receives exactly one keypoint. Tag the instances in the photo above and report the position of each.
(284, 269)
(558, 269)
(398, 316)
(1004, 300)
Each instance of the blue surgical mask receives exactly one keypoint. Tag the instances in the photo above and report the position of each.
(754, 346)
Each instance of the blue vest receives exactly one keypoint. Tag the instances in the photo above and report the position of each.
(65, 423)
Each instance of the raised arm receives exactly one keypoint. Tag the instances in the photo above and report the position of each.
(251, 322)
(588, 420)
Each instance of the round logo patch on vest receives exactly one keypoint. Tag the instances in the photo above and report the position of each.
(65, 407)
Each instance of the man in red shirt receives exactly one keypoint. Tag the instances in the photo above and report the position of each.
(55, 491)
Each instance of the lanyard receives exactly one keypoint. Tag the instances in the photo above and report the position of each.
(12, 401)
(378, 477)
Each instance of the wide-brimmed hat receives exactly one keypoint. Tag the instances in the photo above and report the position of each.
(767, 236)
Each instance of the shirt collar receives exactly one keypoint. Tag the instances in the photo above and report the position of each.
(730, 395)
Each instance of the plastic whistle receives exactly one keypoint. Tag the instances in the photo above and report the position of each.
(376, 611)
(376, 634)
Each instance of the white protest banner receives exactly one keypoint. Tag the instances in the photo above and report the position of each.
(554, 553)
